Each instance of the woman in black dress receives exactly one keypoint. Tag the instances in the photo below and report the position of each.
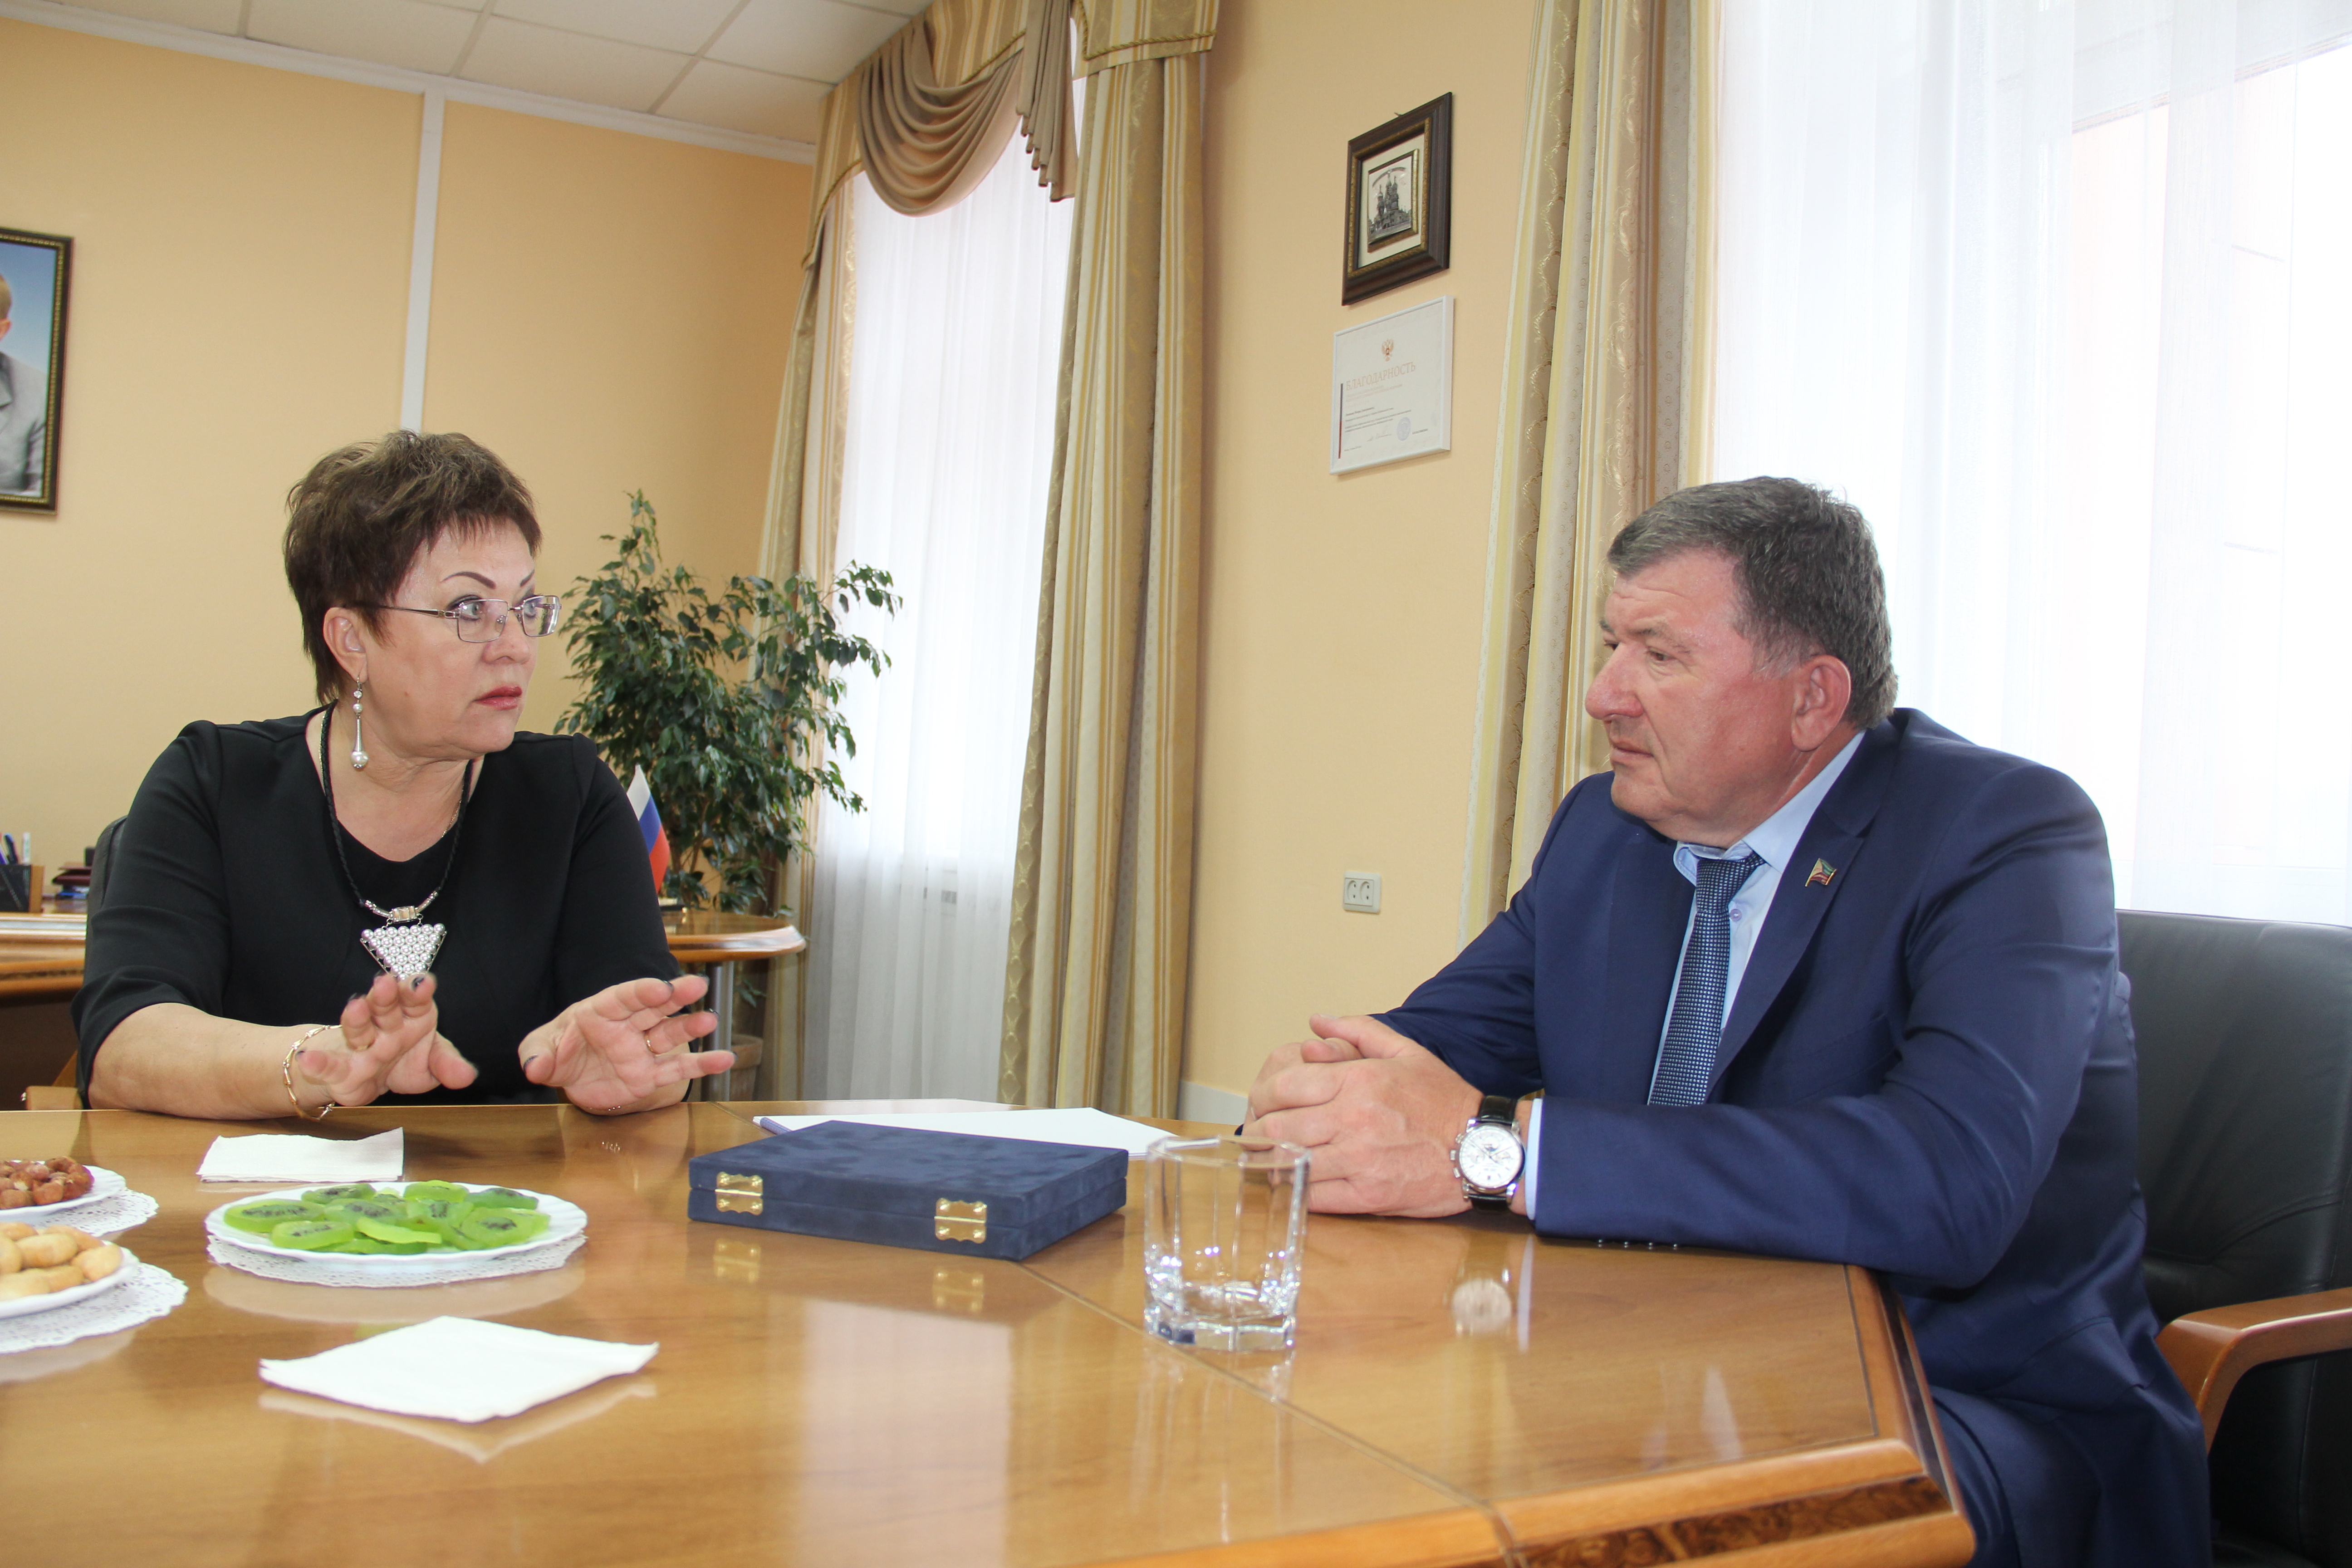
(394, 897)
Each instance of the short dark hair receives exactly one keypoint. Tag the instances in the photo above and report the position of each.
(362, 515)
(1806, 567)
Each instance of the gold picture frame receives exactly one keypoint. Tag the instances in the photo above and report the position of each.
(38, 268)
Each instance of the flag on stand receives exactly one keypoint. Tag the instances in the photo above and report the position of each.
(649, 823)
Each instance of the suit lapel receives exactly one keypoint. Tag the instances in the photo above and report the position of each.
(1649, 907)
(1814, 876)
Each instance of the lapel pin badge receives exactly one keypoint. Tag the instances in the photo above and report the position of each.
(1823, 872)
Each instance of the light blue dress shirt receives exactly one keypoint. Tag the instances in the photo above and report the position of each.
(1775, 841)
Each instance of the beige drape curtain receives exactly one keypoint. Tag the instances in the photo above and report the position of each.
(1102, 895)
(924, 116)
(1605, 397)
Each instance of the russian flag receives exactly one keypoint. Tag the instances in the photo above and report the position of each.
(649, 823)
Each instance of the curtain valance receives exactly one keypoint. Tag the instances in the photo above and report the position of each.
(926, 113)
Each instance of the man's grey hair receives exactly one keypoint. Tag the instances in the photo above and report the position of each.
(1806, 568)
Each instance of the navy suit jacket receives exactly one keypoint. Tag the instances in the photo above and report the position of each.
(1927, 1071)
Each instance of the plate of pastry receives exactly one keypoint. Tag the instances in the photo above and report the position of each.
(35, 1191)
(45, 1269)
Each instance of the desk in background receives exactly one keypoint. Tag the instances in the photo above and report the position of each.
(1458, 1388)
(41, 960)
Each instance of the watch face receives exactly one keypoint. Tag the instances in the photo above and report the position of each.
(1489, 1157)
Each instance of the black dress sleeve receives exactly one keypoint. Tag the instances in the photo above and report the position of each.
(163, 932)
(610, 928)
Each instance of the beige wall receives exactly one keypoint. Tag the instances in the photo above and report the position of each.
(1341, 616)
(609, 312)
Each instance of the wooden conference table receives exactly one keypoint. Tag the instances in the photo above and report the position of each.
(1460, 1393)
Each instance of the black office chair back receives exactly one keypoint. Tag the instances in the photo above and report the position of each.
(100, 859)
(2245, 1095)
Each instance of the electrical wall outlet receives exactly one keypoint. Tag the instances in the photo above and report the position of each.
(1361, 891)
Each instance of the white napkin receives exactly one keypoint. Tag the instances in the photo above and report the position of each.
(1081, 1124)
(459, 1369)
(280, 1157)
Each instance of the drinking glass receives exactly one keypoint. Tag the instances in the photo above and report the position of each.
(1224, 1227)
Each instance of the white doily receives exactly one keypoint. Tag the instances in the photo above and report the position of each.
(110, 1216)
(147, 1293)
(454, 1268)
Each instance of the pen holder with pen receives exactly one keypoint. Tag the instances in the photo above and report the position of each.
(20, 890)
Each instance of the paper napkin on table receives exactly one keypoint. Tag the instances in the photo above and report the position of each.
(458, 1369)
(282, 1157)
(1080, 1124)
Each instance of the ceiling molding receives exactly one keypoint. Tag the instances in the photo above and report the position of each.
(277, 56)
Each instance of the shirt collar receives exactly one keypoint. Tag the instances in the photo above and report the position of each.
(1775, 839)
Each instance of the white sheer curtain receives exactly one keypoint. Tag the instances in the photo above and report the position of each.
(2060, 294)
(953, 366)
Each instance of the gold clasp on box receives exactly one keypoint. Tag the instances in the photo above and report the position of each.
(952, 1221)
(739, 1194)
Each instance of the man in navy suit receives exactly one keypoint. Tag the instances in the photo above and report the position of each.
(1808, 975)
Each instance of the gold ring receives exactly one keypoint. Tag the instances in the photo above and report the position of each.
(648, 1040)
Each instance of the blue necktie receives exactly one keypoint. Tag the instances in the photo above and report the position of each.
(1686, 1061)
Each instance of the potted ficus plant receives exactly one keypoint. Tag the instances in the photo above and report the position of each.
(721, 698)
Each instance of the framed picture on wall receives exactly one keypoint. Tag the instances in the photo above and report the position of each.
(34, 271)
(1400, 202)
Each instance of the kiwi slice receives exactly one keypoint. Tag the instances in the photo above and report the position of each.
(263, 1218)
(426, 1192)
(369, 1246)
(326, 1196)
(312, 1234)
(497, 1228)
(504, 1198)
(398, 1235)
(391, 1209)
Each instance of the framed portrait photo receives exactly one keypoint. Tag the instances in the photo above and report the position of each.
(1400, 202)
(35, 269)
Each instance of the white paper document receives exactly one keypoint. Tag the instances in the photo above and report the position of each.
(1392, 387)
(281, 1157)
(1084, 1125)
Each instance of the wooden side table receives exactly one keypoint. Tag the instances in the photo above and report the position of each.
(716, 941)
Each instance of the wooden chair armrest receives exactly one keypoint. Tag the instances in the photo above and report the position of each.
(48, 1097)
(2212, 1349)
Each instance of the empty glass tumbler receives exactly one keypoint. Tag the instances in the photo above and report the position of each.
(1225, 1229)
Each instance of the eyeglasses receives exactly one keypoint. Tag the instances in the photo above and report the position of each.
(485, 620)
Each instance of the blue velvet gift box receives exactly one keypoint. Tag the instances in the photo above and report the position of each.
(905, 1187)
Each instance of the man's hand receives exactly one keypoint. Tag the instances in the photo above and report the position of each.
(1378, 1113)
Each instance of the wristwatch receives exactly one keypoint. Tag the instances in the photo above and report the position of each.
(1489, 1156)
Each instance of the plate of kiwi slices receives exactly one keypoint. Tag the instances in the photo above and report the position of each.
(386, 1223)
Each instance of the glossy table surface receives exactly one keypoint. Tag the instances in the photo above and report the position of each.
(1460, 1392)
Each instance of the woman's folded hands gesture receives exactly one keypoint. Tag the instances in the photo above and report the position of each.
(625, 1047)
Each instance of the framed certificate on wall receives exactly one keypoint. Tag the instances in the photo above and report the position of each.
(1392, 387)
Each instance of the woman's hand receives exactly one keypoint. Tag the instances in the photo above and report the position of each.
(622, 1049)
(391, 1045)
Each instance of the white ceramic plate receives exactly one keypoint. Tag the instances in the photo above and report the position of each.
(103, 1184)
(25, 1305)
(564, 1221)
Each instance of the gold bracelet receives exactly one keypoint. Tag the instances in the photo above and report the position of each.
(285, 1071)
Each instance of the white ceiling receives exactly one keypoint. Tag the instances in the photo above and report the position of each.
(753, 65)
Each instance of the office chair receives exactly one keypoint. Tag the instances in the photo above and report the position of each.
(2245, 1090)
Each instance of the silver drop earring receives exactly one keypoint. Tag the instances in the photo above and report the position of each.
(359, 749)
